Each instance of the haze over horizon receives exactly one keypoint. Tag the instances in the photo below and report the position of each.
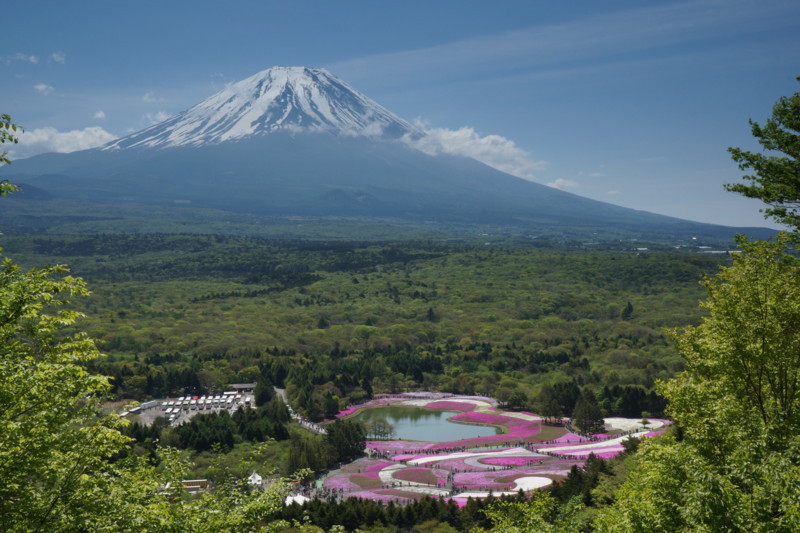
(617, 102)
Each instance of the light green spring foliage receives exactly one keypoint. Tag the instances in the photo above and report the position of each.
(56, 451)
(541, 514)
(737, 467)
(50, 436)
(60, 468)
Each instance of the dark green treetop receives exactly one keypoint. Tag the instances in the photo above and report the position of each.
(776, 178)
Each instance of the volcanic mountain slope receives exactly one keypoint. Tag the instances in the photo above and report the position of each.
(299, 141)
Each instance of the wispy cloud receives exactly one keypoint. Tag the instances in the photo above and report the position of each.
(563, 184)
(43, 140)
(19, 56)
(599, 39)
(151, 98)
(43, 88)
(59, 57)
(656, 159)
(493, 150)
(99, 115)
(155, 118)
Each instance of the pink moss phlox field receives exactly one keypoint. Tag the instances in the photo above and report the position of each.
(570, 438)
(556, 447)
(480, 470)
(473, 480)
(366, 479)
(502, 479)
(410, 456)
(429, 476)
(340, 482)
(510, 461)
(348, 411)
(399, 446)
(378, 466)
(365, 465)
(605, 453)
(456, 465)
(516, 429)
(379, 496)
(451, 406)
(515, 426)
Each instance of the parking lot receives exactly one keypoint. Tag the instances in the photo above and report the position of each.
(180, 409)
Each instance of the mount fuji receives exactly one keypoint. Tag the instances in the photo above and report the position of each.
(280, 99)
(296, 141)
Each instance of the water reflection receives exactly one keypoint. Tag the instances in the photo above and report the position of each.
(417, 423)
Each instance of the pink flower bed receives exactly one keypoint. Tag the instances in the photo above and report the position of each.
(430, 476)
(451, 406)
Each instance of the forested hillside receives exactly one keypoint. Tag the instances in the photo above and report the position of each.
(182, 313)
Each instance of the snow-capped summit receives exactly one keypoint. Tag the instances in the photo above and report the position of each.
(277, 99)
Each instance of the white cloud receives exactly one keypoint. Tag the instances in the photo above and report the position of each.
(151, 98)
(155, 118)
(59, 57)
(563, 184)
(493, 150)
(99, 115)
(42, 140)
(43, 88)
(614, 191)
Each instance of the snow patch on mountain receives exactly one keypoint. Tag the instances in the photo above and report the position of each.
(293, 99)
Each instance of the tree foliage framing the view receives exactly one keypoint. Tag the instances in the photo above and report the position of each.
(736, 464)
(8, 132)
(776, 179)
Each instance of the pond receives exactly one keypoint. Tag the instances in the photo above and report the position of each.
(417, 423)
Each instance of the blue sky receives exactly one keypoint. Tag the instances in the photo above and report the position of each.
(629, 102)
